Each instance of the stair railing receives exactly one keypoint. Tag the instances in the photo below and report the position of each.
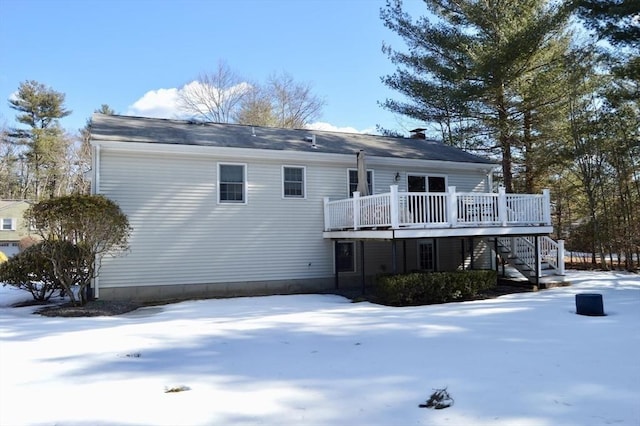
(524, 250)
(552, 252)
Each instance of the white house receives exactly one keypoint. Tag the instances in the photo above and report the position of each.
(226, 210)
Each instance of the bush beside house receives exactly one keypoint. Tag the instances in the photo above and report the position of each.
(423, 288)
(31, 271)
(76, 232)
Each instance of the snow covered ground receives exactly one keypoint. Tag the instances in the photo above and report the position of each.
(524, 359)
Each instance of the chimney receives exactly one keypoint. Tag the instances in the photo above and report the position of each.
(418, 133)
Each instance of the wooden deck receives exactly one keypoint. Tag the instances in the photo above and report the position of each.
(418, 214)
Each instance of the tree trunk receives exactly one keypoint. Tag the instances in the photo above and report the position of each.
(529, 173)
(505, 140)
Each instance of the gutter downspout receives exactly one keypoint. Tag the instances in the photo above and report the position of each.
(94, 289)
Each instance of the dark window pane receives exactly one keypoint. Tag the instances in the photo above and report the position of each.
(294, 182)
(231, 183)
(436, 184)
(231, 173)
(353, 181)
(416, 183)
(426, 256)
(345, 260)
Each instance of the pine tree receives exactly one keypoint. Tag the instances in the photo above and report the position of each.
(40, 108)
(464, 64)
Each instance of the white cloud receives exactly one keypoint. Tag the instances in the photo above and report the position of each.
(320, 125)
(161, 103)
(164, 103)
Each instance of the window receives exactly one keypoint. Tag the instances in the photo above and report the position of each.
(422, 183)
(293, 182)
(353, 181)
(426, 255)
(232, 183)
(345, 258)
(8, 224)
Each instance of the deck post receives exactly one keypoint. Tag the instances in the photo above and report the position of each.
(404, 256)
(394, 261)
(560, 257)
(452, 213)
(335, 262)
(362, 271)
(394, 207)
(356, 210)
(538, 266)
(326, 213)
(502, 206)
(497, 258)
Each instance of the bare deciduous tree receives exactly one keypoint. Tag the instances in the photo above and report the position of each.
(281, 102)
(294, 104)
(214, 96)
(256, 109)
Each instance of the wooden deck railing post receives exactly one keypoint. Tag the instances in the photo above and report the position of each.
(394, 207)
(502, 206)
(356, 210)
(452, 210)
(560, 257)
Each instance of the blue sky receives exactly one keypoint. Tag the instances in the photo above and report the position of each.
(116, 52)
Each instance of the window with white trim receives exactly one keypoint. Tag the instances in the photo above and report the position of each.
(293, 182)
(346, 256)
(426, 183)
(353, 181)
(8, 224)
(232, 186)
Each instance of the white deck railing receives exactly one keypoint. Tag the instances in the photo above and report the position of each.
(450, 209)
(524, 249)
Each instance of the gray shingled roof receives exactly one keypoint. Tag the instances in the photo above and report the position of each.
(119, 128)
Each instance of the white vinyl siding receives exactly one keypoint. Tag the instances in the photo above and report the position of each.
(182, 234)
(468, 182)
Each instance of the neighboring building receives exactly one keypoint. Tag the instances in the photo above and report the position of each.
(227, 210)
(13, 227)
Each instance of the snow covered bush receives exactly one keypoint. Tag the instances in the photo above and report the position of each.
(78, 231)
(30, 270)
(423, 288)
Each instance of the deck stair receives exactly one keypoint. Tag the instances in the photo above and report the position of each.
(546, 269)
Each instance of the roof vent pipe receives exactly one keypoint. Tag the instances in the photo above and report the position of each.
(313, 142)
(418, 133)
